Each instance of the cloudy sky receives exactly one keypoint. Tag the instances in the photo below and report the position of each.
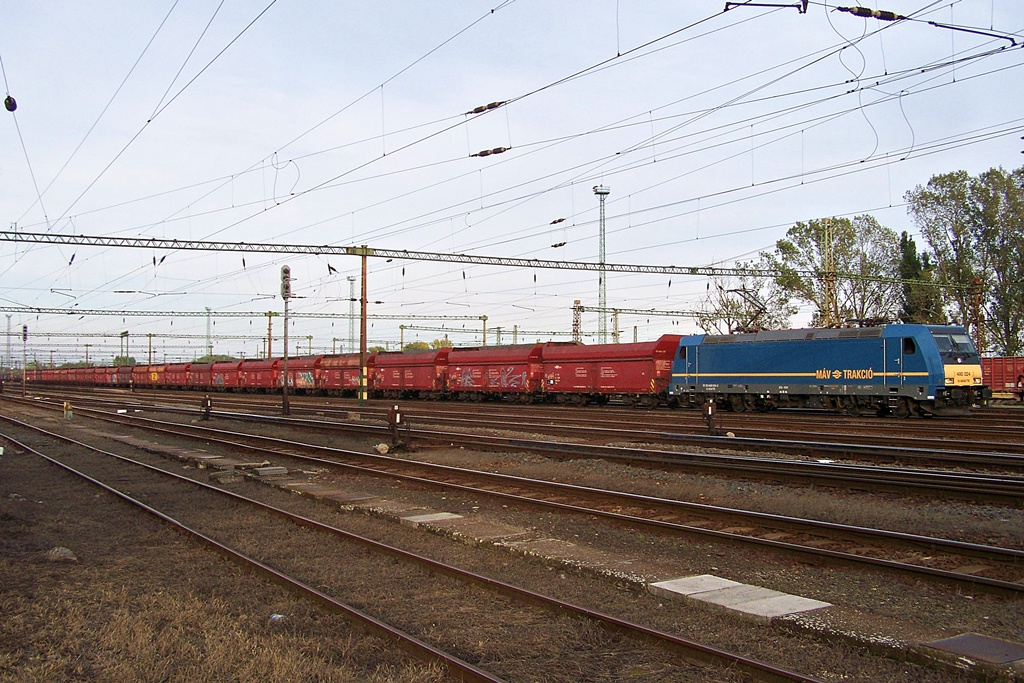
(346, 123)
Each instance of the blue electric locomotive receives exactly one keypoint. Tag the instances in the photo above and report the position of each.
(905, 369)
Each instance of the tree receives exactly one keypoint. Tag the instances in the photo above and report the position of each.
(865, 255)
(975, 229)
(940, 211)
(997, 218)
(922, 300)
(445, 343)
(416, 346)
(123, 360)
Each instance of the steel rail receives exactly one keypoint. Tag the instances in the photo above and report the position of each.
(1005, 555)
(900, 479)
(455, 666)
(689, 649)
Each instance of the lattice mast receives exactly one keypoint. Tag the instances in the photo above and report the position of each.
(602, 193)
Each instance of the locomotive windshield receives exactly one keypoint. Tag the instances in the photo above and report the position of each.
(957, 347)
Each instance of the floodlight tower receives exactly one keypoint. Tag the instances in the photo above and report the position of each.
(602, 193)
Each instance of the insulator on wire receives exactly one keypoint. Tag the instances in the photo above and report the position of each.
(10, 103)
(489, 152)
(484, 107)
(881, 15)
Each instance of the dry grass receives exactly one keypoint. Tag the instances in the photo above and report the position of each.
(70, 627)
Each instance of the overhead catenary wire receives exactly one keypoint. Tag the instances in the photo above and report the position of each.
(642, 208)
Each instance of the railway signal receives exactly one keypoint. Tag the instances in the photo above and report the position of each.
(286, 282)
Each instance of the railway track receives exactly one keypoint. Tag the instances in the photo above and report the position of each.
(584, 434)
(962, 564)
(992, 429)
(436, 590)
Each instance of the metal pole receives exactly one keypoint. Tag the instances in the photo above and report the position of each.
(602, 193)
(285, 409)
(24, 356)
(363, 379)
(270, 333)
(286, 294)
(351, 313)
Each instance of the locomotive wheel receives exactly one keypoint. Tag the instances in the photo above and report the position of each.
(903, 409)
(852, 406)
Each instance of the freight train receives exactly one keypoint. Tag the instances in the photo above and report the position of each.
(903, 369)
(1005, 376)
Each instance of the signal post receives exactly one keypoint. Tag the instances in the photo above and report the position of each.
(286, 294)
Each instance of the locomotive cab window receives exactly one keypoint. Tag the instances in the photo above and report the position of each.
(909, 347)
(682, 353)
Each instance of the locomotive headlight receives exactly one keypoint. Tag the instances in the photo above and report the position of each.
(977, 380)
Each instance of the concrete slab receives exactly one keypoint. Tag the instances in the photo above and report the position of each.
(479, 531)
(733, 596)
(272, 471)
(416, 520)
(224, 464)
(688, 585)
(346, 496)
(304, 487)
(741, 597)
(780, 605)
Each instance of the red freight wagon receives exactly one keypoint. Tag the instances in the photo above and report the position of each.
(303, 373)
(106, 376)
(124, 375)
(259, 375)
(199, 376)
(1001, 375)
(149, 375)
(494, 371)
(635, 373)
(417, 374)
(224, 375)
(340, 373)
(176, 375)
